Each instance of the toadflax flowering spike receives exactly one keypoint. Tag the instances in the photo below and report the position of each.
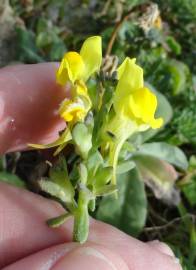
(96, 139)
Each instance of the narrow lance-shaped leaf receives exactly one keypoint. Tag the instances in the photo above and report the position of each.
(57, 221)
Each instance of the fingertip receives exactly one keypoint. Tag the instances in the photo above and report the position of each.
(29, 99)
(91, 256)
(162, 247)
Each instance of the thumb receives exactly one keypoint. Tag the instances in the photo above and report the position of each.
(72, 256)
(29, 100)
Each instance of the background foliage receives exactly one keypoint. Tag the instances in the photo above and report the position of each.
(162, 38)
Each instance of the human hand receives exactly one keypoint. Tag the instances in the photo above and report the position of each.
(30, 97)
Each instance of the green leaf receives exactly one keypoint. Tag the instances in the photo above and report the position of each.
(189, 191)
(59, 175)
(57, 50)
(11, 179)
(102, 176)
(174, 45)
(27, 50)
(178, 72)
(125, 166)
(93, 93)
(57, 221)
(82, 138)
(165, 151)
(105, 190)
(164, 109)
(192, 255)
(58, 172)
(42, 25)
(64, 194)
(43, 39)
(94, 161)
(129, 211)
(159, 175)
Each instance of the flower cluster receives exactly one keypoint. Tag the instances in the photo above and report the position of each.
(96, 133)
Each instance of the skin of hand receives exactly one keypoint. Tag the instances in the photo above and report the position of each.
(29, 100)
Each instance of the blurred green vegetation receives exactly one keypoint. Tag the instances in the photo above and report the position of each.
(162, 36)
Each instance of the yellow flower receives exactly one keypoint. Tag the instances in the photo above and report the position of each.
(134, 106)
(71, 111)
(132, 100)
(76, 68)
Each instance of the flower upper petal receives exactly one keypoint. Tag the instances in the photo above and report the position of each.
(62, 75)
(91, 53)
(75, 65)
(130, 78)
(130, 73)
(71, 68)
(122, 67)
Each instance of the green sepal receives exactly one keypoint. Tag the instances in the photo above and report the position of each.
(106, 190)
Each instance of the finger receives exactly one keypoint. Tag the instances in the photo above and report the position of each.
(136, 254)
(29, 100)
(23, 228)
(72, 256)
(23, 231)
(162, 247)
